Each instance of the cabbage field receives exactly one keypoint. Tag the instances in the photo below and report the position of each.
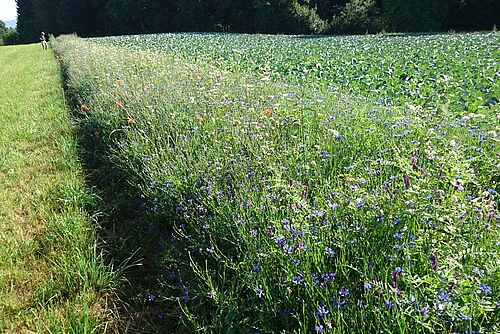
(304, 184)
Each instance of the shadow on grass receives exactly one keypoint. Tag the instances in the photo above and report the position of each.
(127, 240)
(123, 235)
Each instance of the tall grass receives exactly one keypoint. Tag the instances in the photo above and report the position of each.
(291, 206)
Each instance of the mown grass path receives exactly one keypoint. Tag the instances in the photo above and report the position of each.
(52, 280)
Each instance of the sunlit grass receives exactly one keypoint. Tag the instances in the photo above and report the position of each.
(52, 279)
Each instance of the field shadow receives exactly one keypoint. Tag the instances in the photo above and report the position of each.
(127, 241)
(123, 236)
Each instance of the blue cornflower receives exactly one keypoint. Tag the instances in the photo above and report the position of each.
(444, 296)
(398, 236)
(185, 296)
(322, 312)
(343, 303)
(389, 304)
(367, 287)
(425, 310)
(477, 271)
(344, 292)
(329, 251)
(151, 298)
(361, 304)
(333, 205)
(485, 289)
(319, 328)
(399, 270)
(297, 279)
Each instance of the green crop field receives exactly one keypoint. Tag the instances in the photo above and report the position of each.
(298, 185)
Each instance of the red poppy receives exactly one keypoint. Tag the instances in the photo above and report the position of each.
(131, 120)
(268, 112)
(84, 107)
(119, 104)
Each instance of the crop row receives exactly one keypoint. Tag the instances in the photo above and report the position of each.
(458, 71)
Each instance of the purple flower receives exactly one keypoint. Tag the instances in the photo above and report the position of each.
(395, 276)
(485, 289)
(389, 304)
(361, 304)
(406, 180)
(151, 298)
(319, 328)
(434, 265)
(185, 296)
(360, 202)
(367, 287)
(304, 192)
(344, 292)
(297, 279)
(322, 312)
(329, 251)
(445, 297)
(332, 206)
(477, 271)
(425, 310)
(212, 294)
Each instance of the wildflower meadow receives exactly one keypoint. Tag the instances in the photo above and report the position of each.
(305, 184)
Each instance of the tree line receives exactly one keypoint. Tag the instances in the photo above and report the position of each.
(8, 36)
(109, 17)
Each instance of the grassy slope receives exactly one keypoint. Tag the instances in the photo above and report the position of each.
(51, 278)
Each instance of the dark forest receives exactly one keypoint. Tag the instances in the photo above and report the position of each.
(112, 17)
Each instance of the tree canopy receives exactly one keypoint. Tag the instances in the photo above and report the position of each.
(105, 17)
(8, 36)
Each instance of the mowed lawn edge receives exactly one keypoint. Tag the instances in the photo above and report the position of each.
(53, 278)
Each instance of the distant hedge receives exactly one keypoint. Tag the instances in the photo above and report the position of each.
(105, 17)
